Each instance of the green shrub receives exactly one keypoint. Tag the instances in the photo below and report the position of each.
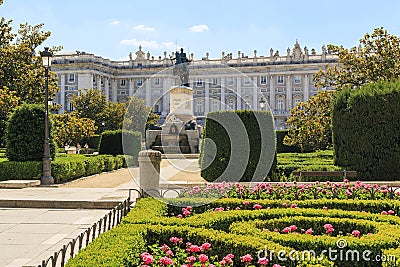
(237, 146)
(121, 142)
(282, 148)
(93, 142)
(15, 170)
(366, 129)
(94, 165)
(25, 134)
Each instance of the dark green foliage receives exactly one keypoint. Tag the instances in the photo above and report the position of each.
(93, 142)
(14, 170)
(282, 148)
(237, 146)
(25, 134)
(366, 129)
(121, 142)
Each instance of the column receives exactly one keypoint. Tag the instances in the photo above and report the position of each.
(165, 100)
(206, 96)
(107, 88)
(131, 86)
(272, 92)
(98, 81)
(239, 93)
(288, 92)
(255, 93)
(62, 93)
(306, 88)
(114, 89)
(148, 92)
(223, 107)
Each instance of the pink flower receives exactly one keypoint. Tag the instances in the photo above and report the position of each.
(325, 208)
(293, 206)
(328, 225)
(189, 208)
(166, 261)
(257, 206)
(175, 240)
(147, 258)
(164, 248)
(384, 212)
(284, 204)
(223, 262)
(309, 231)
(329, 230)
(246, 203)
(356, 233)
(205, 246)
(180, 216)
(191, 259)
(276, 265)
(186, 213)
(276, 230)
(219, 209)
(286, 230)
(263, 261)
(211, 265)
(390, 212)
(194, 249)
(169, 252)
(293, 228)
(203, 258)
(246, 258)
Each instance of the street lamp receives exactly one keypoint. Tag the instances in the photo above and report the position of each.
(46, 179)
(262, 103)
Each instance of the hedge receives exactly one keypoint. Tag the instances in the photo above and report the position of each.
(282, 148)
(63, 168)
(121, 142)
(93, 142)
(243, 231)
(25, 134)
(238, 146)
(366, 130)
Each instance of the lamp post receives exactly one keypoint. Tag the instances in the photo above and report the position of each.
(262, 103)
(46, 179)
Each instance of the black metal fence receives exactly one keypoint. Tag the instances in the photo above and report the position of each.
(110, 220)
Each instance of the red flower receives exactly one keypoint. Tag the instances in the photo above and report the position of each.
(205, 246)
(263, 261)
(166, 261)
(191, 259)
(147, 258)
(203, 258)
(257, 206)
(356, 233)
(194, 249)
(246, 258)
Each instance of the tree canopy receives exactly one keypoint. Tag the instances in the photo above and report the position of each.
(376, 58)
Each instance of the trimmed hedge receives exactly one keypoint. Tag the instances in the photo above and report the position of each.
(25, 134)
(366, 129)
(242, 231)
(63, 168)
(93, 142)
(238, 146)
(121, 142)
(282, 148)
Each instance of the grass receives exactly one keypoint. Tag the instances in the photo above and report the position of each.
(3, 154)
(324, 157)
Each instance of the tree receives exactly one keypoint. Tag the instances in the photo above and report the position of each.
(376, 58)
(21, 69)
(310, 123)
(70, 129)
(90, 104)
(113, 116)
(8, 101)
(137, 115)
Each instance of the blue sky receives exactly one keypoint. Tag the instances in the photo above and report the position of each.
(112, 29)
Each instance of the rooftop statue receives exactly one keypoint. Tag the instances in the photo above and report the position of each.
(181, 67)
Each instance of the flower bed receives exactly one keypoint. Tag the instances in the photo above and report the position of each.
(244, 228)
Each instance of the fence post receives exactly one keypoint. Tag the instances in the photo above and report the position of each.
(149, 164)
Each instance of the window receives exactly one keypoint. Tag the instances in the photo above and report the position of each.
(230, 81)
(71, 78)
(102, 81)
(122, 92)
(214, 105)
(247, 81)
(156, 81)
(281, 104)
(231, 103)
(199, 107)
(71, 88)
(215, 81)
(297, 79)
(139, 82)
(123, 82)
(297, 101)
(280, 79)
(263, 80)
(297, 89)
(199, 92)
(199, 82)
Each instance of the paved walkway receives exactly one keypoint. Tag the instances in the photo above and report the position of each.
(30, 234)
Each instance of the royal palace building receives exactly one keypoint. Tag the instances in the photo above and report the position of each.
(229, 82)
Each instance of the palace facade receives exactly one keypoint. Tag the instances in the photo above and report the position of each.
(229, 82)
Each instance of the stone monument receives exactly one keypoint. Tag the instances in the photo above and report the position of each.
(180, 132)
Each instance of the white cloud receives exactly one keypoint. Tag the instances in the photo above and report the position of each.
(199, 28)
(167, 45)
(115, 22)
(143, 28)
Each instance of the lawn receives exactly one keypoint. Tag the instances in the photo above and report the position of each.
(3, 154)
